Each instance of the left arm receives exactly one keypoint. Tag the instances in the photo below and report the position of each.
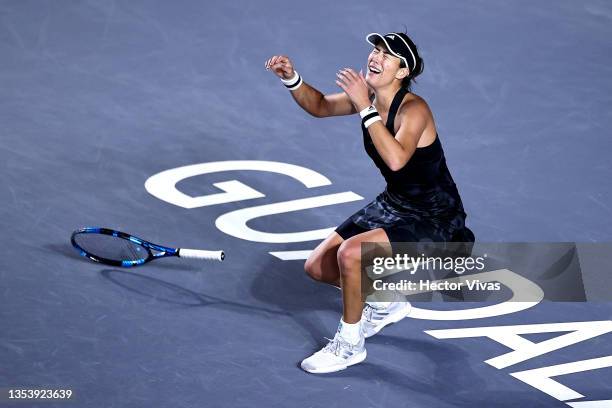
(395, 151)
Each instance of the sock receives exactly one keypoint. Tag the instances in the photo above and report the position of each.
(350, 332)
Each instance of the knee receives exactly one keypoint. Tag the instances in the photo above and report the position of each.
(312, 268)
(349, 257)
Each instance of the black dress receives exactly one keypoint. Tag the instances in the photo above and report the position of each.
(420, 202)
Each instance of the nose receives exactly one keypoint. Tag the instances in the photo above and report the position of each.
(376, 57)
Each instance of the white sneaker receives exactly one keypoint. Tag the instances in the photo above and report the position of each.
(373, 319)
(337, 355)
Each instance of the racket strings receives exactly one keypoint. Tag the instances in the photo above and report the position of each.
(110, 247)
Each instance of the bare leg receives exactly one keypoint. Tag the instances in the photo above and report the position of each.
(349, 263)
(322, 264)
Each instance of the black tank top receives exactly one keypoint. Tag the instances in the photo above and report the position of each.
(424, 185)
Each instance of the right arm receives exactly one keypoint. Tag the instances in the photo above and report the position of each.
(309, 98)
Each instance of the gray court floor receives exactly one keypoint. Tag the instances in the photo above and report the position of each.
(98, 96)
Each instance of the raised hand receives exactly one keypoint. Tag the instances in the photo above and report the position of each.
(355, 86)
(281, 65)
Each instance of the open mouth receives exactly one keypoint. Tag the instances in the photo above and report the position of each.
(374, 70)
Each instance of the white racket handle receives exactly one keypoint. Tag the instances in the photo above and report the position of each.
(201, 254)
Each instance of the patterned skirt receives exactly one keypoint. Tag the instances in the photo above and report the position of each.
(435, 216)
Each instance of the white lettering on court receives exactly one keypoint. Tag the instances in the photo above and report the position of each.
(524, 350)
(163, 185)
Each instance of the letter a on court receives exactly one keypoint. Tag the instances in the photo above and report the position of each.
(524, 349)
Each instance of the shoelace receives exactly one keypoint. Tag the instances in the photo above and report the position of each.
(334, 345)
(367, 312)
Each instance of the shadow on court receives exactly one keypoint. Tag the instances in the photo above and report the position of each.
(170, 293)
(286, 286)
(68, 251)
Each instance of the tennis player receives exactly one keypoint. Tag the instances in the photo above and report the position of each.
(420, 201)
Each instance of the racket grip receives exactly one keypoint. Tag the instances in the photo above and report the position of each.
(201, 254)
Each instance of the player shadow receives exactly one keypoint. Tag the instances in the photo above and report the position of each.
(174, 294)
(444, 387)
(285, 285)
(452, 379)
(455, 371)
(68, 251)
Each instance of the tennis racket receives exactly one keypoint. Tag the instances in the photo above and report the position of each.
(117, 248)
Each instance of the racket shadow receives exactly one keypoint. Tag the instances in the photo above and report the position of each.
(174, 294)
(68, 251)
(65, 250)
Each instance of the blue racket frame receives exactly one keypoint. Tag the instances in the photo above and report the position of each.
(161, 251)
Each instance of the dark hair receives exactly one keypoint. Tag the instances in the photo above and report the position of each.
(418, 69)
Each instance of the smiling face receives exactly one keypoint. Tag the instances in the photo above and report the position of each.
(383, 67)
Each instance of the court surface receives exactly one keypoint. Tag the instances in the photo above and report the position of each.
(98, 96)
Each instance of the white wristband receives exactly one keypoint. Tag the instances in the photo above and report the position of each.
(294, 82)
(367, 110)
(369, 115)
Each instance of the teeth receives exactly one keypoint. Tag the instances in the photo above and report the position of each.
(374, 70)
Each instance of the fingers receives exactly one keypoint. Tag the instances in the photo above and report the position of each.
(348, 75)
(284, 70)
(341, 85)
(346, 78)
(343, 76)
(272, 61)
(278, 61)
(281, 65)
(362, 77)
(269, 62)
(350, 72)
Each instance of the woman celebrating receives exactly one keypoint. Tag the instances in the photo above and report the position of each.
(420, 201)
